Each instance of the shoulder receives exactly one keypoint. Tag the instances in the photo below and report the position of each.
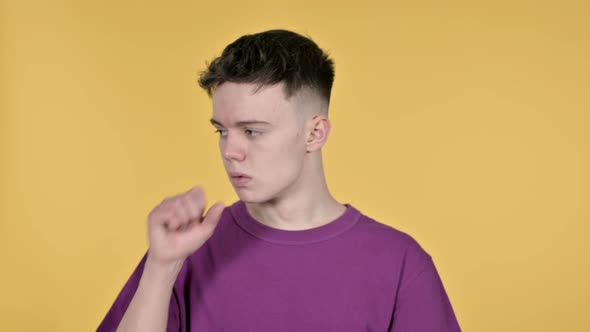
(400, 247)
(406, 254)
(395, 238)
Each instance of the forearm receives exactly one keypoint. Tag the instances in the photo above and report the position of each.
(148, 310)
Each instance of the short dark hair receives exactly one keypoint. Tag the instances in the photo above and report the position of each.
(271, 57)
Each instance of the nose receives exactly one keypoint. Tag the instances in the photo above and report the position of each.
(232, 148)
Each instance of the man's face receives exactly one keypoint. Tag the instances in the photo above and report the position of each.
(262, 136)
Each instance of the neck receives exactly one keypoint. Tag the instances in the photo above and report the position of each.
(306, 204)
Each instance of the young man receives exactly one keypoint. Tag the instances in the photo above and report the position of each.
(286, 256)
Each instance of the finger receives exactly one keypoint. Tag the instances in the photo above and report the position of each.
(180, 211)
(161, 215)
(195, 234)
(156, 215)
(174, 221)
(194, 202)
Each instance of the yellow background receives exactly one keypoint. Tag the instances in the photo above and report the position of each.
(463, 123)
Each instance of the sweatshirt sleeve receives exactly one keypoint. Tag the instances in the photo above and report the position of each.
(422, 303)
(117, 310)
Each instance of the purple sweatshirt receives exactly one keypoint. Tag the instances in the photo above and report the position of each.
(352, 274)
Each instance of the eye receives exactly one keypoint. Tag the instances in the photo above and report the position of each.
(221, 132)
(252, 133)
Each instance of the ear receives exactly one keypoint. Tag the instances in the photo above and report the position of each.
(318, 133)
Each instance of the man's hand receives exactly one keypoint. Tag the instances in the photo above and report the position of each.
(177, 228)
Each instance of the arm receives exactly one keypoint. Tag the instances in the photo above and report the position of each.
(176, 229)
(423, 304)
(149, 308)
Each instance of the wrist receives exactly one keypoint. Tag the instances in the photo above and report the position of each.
(161, 273)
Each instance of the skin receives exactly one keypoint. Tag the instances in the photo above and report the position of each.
(283, 156)
(287, 189)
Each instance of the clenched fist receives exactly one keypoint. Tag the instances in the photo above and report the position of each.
(177, 227)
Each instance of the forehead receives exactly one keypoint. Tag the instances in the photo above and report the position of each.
(236, 101)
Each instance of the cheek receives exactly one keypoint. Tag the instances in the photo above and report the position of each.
(287, 157)
(284, 149)
(287, 149)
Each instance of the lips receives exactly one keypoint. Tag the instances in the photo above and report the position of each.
(239, 179)
(238, 175)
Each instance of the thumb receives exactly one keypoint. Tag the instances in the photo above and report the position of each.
(213, 215)
(198, 233)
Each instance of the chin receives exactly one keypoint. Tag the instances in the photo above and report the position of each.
(253, 197)
(246, 196)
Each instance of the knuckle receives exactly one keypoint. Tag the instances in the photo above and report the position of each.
(176, 205)
(196, 200)
(180, 213)
(155, 213)
(198, 193)
(189, 207)
(172, 222)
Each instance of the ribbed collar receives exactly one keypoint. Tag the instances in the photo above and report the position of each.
(339, 225)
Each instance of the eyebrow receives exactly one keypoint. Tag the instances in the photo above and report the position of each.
(240, 123)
